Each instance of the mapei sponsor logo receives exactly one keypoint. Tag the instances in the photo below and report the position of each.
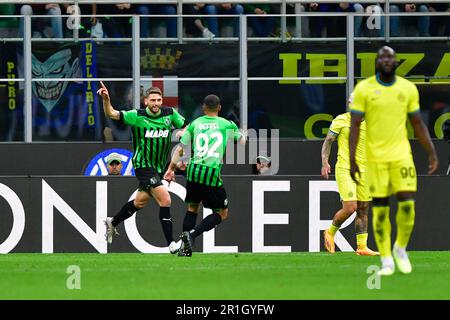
(157, 133)
(98, 166)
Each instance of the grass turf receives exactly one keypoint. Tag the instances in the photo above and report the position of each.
(219, 276)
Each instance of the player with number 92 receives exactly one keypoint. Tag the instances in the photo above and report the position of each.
(208, 135)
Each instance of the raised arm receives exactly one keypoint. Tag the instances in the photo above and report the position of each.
(326, 150)
(94, 13)
(424, 138)
(353, 142)
(109, 110)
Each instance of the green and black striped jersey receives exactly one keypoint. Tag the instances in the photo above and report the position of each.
(152, 135)
(208, 137)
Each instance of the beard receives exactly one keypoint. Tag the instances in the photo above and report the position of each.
(154, 110)
(387, 73)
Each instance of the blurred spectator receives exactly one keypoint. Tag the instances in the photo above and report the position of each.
(51, 9)
(259, 119)
(262, 25)
(300, 24)
(361, 26)
(195, 25)
(439, 25)
(162, 9)
(262, 166)
(358, 8)
(335, 26)
(8, 26)
(86, 23)
(315, 23)
(107, 135)
(399, 25)
(114, 162)
(116, 27)
(143, 98)
(234, 114)
(224, 8)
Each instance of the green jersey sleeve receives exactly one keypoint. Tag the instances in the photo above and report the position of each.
(129, 117)
(235, 134)
(186, 138)
(177, 119)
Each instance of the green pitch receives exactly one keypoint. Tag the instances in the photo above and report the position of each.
(219, 276)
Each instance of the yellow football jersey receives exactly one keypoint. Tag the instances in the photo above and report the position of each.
(340, 126)
(385, 108)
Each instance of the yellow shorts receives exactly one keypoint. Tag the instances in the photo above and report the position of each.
(387, 178)
(348, 189)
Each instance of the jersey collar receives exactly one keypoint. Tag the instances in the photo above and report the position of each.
(386, 84)
(151, 114)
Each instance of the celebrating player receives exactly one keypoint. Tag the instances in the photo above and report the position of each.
(208, 135)
(386, 100)
(151, 144)
(355, 197)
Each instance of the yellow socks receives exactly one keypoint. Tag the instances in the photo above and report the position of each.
(361, 240)
(333, 229)
(405, 222)
(382, 229)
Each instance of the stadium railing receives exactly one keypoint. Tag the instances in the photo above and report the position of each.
(243, 39)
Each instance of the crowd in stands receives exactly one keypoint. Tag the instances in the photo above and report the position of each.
(203, 21)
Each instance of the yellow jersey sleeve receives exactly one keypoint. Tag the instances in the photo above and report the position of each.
(358, 99)
(413, 103)
(336, 125)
